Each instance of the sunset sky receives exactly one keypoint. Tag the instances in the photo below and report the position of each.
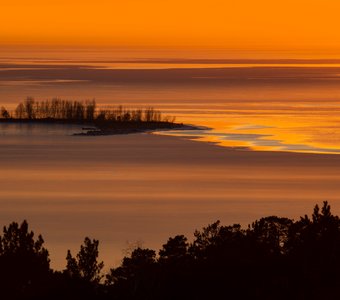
(246, 24)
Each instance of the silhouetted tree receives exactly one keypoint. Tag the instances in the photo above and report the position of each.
(24, 262)
(90, 110)
(272, 233)
(20, 112)
(213, 237)
(4, 113)
(29, 108)
(85, 265)
(136, 277)
(139, 260)
(176, 248)
(275, 258)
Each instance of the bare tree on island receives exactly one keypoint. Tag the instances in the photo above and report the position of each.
(119, 120)
(68, 110)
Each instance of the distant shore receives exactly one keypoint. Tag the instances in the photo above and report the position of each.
(95, 121)
(92, 129)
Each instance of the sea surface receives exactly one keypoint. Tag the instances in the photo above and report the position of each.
(141, 189)
(275, 105)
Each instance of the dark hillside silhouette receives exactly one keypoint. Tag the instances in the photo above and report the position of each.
(274, 258)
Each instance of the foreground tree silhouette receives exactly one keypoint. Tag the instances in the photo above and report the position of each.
(274, 258)
(82, 276)
(135, 278)
(272, 233)
(175, 249)
(314, 249)
(24, 262)
(85, 265)
(140, 259)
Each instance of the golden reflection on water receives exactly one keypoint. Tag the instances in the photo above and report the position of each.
(269, 130)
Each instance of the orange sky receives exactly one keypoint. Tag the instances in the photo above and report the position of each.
(237, 24)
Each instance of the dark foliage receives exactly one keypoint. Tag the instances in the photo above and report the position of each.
(274, 258)
(79, 112)
(24, 262)
(85, 266)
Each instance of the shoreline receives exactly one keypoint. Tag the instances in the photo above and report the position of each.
(104, 129)
(119, 131)
(92, 130)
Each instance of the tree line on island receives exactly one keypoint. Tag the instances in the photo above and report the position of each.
(87, 113)
(274, 258)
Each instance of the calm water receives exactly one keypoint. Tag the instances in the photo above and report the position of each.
(273, 105)
(132, 188)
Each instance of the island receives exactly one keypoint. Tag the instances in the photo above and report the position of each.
(95, 120)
